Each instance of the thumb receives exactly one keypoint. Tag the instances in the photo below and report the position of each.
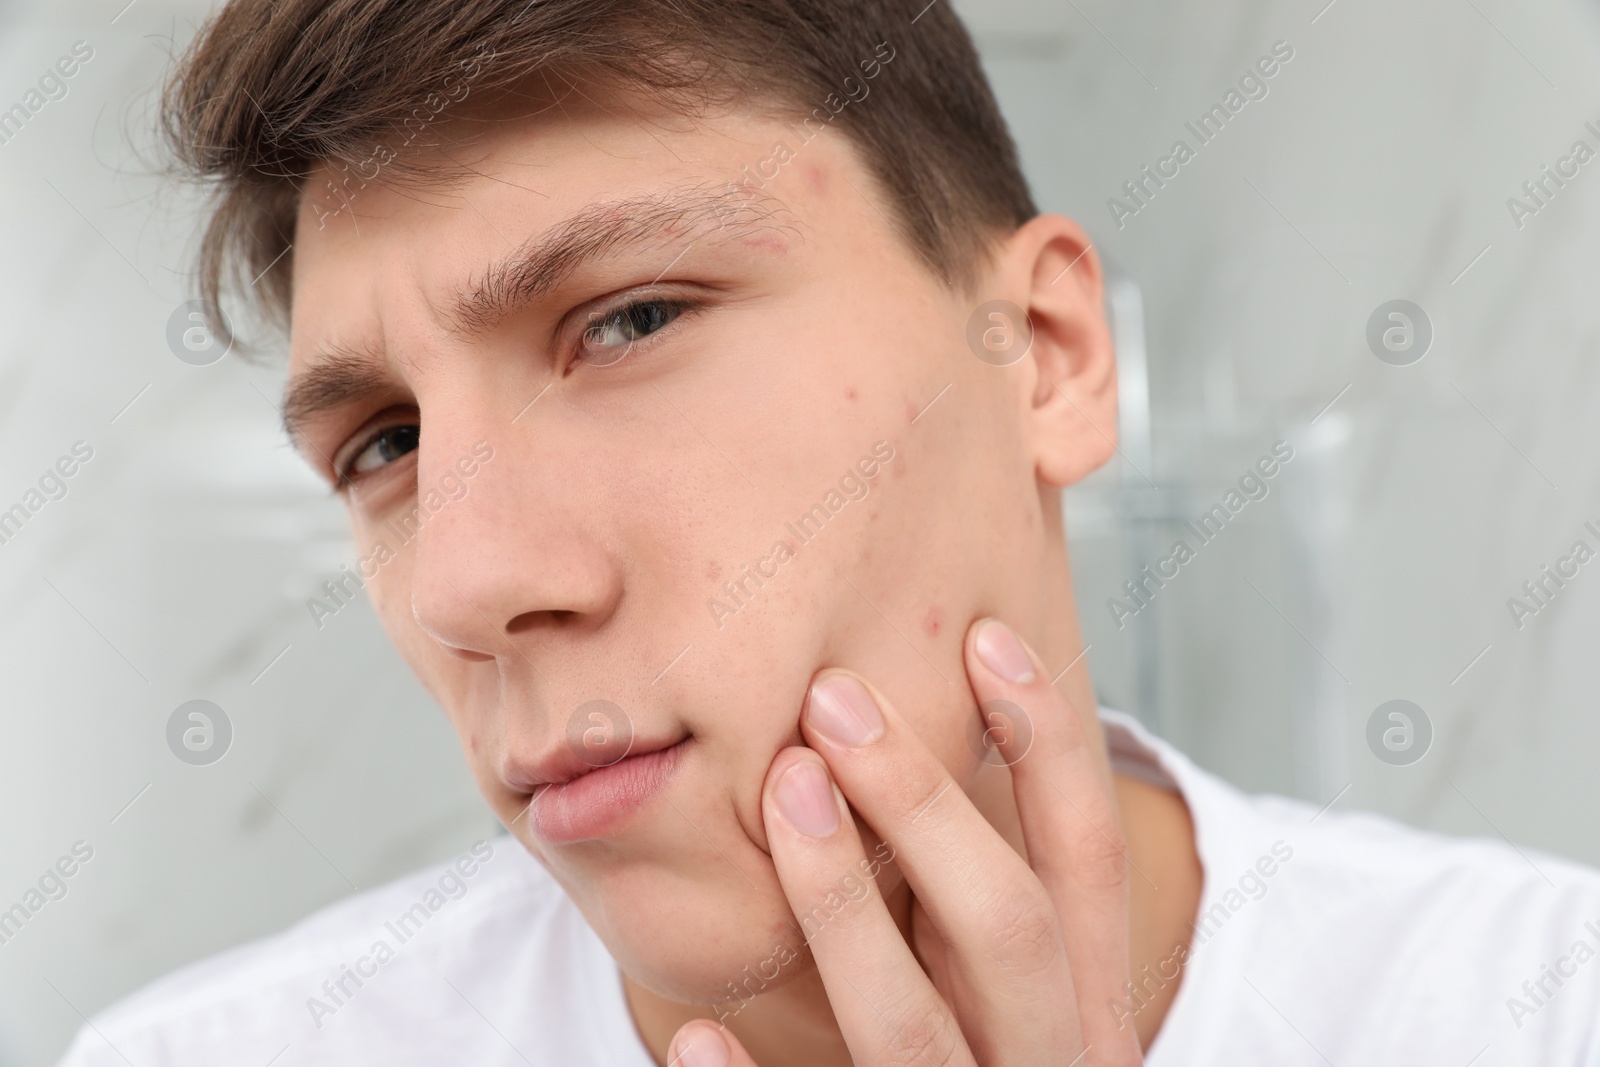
(702, 1043)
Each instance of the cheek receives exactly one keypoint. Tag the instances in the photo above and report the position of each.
(953, 730)
(388, 590)
(444, 675)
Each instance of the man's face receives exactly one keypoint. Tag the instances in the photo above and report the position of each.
(677, 470)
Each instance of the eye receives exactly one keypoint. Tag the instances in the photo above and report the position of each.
(381, 449)
(612, 335)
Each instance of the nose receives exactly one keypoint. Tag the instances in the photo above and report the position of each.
(511, 546)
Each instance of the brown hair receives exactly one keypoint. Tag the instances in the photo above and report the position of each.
(271, 88)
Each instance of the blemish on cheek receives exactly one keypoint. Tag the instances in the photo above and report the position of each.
(850, 393)
(933, 621)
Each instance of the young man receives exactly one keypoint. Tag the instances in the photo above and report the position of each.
(701, 382)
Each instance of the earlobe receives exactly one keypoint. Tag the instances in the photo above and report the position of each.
(1072, 412)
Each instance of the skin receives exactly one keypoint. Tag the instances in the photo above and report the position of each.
(632, 475)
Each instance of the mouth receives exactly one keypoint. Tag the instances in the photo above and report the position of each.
(600, 801)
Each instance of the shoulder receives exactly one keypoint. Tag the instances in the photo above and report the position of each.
(1371, 882)
(1381, 943)
(359, 972)
(1438, 945)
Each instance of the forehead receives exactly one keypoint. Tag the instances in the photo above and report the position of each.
(609, 177)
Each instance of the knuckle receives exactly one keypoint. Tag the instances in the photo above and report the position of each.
(1099, 854)
(921, 795)
(1024, 933)
(924, 1036)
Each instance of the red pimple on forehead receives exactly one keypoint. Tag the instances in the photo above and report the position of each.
(816, 179)
(766, 242)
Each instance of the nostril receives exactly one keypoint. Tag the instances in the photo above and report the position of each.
(530, 620)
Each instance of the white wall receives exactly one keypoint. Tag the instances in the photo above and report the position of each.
(179, 562)
(1378, 166)
(177, 567)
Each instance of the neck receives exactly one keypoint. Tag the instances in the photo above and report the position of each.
(794, 1024)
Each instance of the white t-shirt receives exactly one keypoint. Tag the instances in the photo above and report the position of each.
(1321, 939)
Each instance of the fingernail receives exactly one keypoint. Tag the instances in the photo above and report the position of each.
(842, 710)
(805, 796)
(703, 1047)
(1002, 653)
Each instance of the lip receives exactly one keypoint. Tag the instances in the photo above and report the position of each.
(599, 801)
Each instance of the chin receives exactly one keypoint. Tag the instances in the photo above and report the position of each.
(705, 936)
(695, 940)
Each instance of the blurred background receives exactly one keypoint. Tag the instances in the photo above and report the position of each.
(1422, 493)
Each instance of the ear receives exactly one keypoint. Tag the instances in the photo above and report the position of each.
(1069, 388)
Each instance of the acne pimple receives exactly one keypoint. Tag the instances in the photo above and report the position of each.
(816, 179)
(933, 622)
(766, 242)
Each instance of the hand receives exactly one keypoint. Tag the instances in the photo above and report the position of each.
(1021, 959)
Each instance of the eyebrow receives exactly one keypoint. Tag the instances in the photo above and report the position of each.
(536, 268)
(544, 261)
(340, 375)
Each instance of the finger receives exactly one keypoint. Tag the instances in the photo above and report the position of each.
(887, 1009)
(702, 1043)
(1069, 823)
(1006, 965)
